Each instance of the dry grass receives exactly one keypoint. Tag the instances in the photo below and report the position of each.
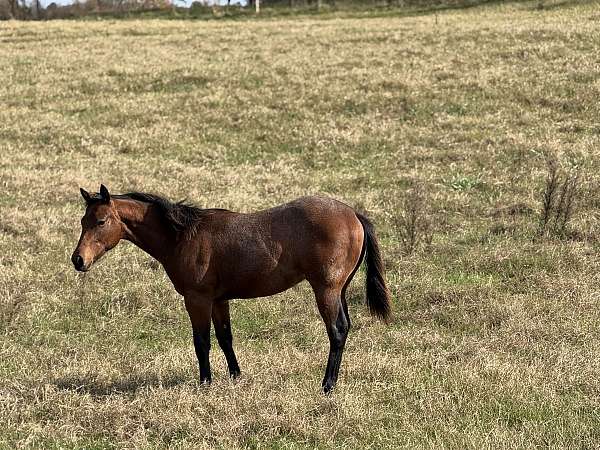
(496, 338)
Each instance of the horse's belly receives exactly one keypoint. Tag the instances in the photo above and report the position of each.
(264, 285)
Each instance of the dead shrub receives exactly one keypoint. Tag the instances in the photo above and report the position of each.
(558, 199)
(413, 224)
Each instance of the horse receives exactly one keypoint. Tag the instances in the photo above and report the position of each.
(215, 255)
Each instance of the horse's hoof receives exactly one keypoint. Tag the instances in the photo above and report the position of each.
(328, 388)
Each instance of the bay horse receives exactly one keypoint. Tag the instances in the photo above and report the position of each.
(215, 255)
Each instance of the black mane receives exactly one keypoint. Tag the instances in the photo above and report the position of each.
(182, 217)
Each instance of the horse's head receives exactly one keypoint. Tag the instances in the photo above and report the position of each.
(101, 229)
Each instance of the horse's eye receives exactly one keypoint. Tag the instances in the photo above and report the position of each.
(101, 222)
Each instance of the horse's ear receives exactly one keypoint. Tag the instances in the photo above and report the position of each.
(86, 195)
(104, 194)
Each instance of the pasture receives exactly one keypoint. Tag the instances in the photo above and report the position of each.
(495, 341)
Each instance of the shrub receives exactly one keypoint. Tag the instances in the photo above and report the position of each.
(558, 199)
(413, 224)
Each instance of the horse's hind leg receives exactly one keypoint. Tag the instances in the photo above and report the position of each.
(330, 306)
(222, 323)
(334, 310)
(344, 303)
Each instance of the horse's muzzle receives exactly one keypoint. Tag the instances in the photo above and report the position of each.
(78, 262)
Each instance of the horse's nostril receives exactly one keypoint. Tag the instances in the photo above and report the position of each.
(77, 261)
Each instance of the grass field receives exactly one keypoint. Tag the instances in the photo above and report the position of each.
(495, 341)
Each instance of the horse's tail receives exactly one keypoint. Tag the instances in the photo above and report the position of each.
(378, 295)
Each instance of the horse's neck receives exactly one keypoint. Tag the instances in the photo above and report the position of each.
(144, 228)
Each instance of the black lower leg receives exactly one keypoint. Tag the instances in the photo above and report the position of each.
(222, 321)
(337, 333)
(202, 347)
(345, 326)
(225, 340)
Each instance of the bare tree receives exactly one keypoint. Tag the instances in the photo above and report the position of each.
(35, 9)
(13, 8)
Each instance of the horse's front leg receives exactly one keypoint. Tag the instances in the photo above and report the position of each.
(200, 311)
(222, 323)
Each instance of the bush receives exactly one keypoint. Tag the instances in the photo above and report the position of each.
(558, 199)
(413, 225)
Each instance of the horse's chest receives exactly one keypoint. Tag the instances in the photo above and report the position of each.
(177, 279)
(187, 272)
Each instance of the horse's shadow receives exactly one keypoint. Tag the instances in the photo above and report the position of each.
(88, 384)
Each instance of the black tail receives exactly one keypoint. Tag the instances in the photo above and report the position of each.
(378, 295)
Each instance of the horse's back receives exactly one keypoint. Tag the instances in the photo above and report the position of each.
(315, 210)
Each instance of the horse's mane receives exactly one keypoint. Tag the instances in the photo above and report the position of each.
(182, 216)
